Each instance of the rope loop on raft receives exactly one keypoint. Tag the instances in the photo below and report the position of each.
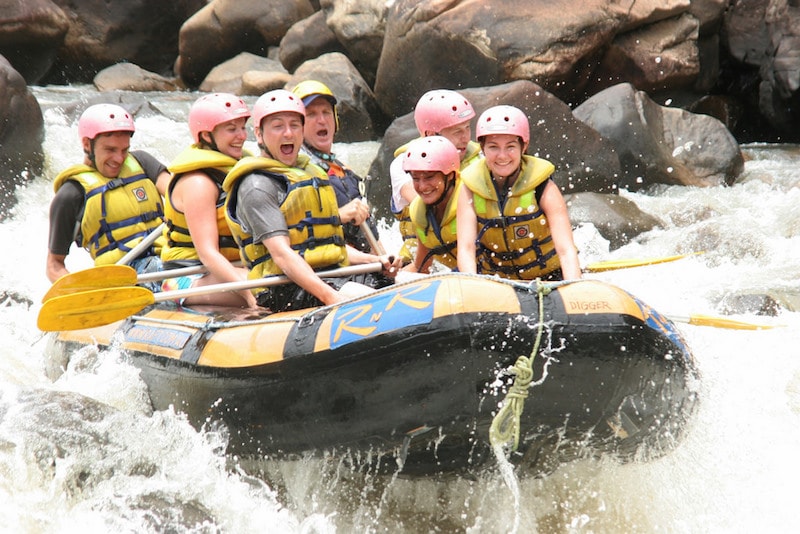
(505, 428)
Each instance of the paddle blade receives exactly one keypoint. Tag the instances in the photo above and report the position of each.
(103, 276)
(611, 265)
(719, 322)
(92, 308)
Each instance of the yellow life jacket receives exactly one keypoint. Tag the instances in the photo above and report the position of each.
(179, 245)
(515, 242)
(439, 237)
(348, 186)
(403, 216)
(118, 212)
(310, 210)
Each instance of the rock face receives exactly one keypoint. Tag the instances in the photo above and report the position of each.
(130, 77)
(764, 35)
(30, 34)
(476, 44)
(616, 218)
(21, 135)
(224, 28)
(102, 33)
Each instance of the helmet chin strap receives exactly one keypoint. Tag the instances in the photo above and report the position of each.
(212, 144)
(448, 184)
(90, 154)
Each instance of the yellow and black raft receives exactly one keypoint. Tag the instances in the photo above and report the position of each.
(417, 373)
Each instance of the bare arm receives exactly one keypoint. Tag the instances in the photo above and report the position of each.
(555, 209)
(295, 267)
(421, 254)
(196, 195)
(56, 267)
(162, 182)
(467, 231)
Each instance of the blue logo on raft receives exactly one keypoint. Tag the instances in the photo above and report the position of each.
(659, 323)
(386, 311)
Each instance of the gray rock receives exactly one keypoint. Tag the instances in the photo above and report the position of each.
(660, 145)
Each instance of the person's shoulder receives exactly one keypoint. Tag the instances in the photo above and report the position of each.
(142, 156)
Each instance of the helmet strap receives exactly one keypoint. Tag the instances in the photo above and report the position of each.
(448, 184)
(90, 154)
(210, 144)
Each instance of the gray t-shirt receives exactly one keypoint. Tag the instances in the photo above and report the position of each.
(258, 206)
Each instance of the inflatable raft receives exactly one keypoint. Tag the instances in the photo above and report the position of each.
(415, 374)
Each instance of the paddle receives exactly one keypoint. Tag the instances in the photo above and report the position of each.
(143, 245)
(107, 276)
(719, 322)
(374, 244)
(611, 265)
(103, 306)
(115, 275)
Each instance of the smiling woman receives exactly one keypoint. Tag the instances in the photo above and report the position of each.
(512, 218)
(433, 163)
(197, 232)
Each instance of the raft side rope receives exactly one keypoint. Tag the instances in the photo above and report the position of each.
(505, 428)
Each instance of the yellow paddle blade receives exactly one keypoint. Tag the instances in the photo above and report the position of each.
(92, 308)
(611, 265)
(720, 322)
(99, 277)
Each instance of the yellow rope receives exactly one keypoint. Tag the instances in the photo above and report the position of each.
(505, 428)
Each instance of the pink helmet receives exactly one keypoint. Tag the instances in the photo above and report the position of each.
(440, 109)
(210, 110)
(434, 153)
(104, 118)
(503, 120)
(277, 101)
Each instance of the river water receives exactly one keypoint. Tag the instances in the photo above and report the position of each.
(87, 454)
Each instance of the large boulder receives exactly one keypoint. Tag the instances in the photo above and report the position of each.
(21, 135)
(308, 39)
(476, 44)
(103, 33)
(359, 25)
(228, 76)
(780, 72)
(762, 38)
(658, 56)
(359, 116)
(616, 218)
(130, 77)
(225, 28)
(661, 145)
(30, 34)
